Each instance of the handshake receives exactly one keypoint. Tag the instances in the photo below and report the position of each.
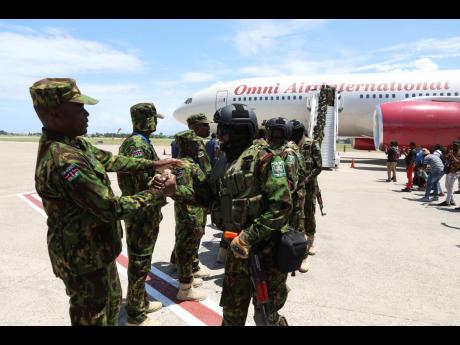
(165, 180)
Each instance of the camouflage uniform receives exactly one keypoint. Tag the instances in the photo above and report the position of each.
(84, 231)
(312, 154)
(189, 218)
(260, 195)
(141, 230)
(205, 165)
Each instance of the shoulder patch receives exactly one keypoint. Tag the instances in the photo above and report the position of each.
(278, 168)
(70, 172)
(137, 153)
(290, 160)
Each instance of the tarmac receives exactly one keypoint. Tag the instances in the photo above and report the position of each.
(383, 257)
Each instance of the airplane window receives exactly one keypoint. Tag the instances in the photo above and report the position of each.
(427, 94)
(434, 94)
(367, 96)
(282, 97)
(420, 94)
(441, 94)
(300, 97)
(277, 98)
(393, 96)
(360, 96)
(456, 94)
(266, 98)
(239, 99)
(250, 98)
(407, 95)
(289, 97)
(448, 94)
(373, 96)
(413, 95)
(293, 97)
(234, 99)
(244, 98)
(380, 96)
(188, 101)
(387, 96)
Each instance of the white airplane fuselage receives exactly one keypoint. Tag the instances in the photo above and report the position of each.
(287, 96)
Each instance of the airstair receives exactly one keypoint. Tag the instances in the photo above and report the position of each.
(329, 154)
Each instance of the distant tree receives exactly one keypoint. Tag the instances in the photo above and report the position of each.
(3, 132)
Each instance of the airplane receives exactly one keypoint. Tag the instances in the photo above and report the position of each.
(375, 108)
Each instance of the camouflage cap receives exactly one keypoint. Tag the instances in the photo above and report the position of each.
(143, 116)
(184, 137)
(50, 92)
(192, 120)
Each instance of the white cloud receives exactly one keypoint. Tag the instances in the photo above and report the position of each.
(254, 36)
(58, 53)
(196, 77)
(425, 64)
(262, 71)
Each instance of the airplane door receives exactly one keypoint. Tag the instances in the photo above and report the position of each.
(221, 99)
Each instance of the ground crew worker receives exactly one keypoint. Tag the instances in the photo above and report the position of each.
(189, 219)
(142, 229)
(248, 193)
(84, 231)
(313, 163)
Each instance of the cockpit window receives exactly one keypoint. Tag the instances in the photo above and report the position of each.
(188, 100)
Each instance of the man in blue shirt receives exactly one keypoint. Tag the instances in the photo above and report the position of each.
(211, 148)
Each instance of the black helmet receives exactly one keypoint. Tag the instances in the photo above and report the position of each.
(237, 115)
(298, 131)
(281, 123)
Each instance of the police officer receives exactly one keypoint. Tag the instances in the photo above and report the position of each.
(84, 231)
(279, 132)
(199, 123)
(141, 230)
(189, 219)
(311, 153)
(248, 193)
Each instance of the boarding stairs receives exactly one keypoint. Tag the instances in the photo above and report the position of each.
(329, 154)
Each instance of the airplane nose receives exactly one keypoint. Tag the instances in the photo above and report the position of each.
(179, 114)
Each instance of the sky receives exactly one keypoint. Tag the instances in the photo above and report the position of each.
(124, 62)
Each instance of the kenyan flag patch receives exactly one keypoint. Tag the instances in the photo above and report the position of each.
(138, 153)
(70, 172)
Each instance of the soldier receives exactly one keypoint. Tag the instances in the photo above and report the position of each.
(311, 152)
(84, 231)
(189, 219)
(279, 131)
(142, 229)
(248, 193)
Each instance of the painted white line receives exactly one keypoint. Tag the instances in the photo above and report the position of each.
(31, 204)
(175, 308)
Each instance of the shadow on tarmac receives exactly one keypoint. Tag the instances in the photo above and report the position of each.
(451, 227)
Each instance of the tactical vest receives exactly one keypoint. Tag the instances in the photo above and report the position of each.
(237, 189)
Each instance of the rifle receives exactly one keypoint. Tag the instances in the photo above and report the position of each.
(258, 279)
(320, 201)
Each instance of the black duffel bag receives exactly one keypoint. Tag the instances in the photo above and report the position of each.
(291, 250)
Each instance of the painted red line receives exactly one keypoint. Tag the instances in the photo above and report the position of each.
(201, 312)
(198, 310)
(33, 200)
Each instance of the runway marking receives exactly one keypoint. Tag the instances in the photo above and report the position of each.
(159, 285)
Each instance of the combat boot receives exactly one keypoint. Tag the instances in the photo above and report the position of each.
(304, 266)
(146, 322)
(311, 245)
(152, 306)
(189, 293)
(221, 256)
(202, 273)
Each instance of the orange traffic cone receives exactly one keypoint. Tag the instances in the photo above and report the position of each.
(352, 163)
